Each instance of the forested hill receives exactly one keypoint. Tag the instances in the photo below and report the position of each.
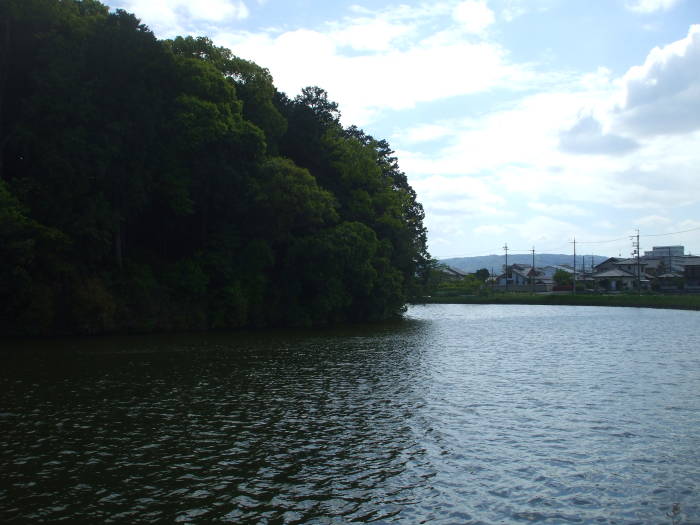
(156, 185)
(472, 264)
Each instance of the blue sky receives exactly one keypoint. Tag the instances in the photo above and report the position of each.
(529, 122)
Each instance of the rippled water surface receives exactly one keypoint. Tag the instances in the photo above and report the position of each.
(458, 414)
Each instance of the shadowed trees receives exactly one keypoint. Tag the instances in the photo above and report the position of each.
(150, 184)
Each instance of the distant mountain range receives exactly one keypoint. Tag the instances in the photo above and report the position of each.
(496, 262)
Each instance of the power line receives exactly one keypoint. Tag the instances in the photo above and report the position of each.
(646, 235)
(602, 242)
(672, 233)
(553, 250)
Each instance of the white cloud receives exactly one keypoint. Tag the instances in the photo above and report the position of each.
(397, 78)
(663, 95)
(689, 223)
(466, 195)
(512, 9)
(169, 18)
(515, 154)
(525, 133)
(653, 220)
(650, 6)
(490, 229)
(587, 137)
(546, 230)
(426, 133)
(550, 150)
(369, 34)
(558, 209)
(473, 16)
(606, 224)
(214, 10)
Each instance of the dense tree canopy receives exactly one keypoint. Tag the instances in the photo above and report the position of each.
(562, 278)
(150, 184)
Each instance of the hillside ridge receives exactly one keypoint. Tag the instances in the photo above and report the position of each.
(495, 262)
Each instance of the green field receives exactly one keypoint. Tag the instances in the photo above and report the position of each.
(682, 302)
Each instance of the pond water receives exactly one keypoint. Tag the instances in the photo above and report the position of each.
(457, 414)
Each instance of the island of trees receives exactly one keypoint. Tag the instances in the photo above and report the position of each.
(168, 185)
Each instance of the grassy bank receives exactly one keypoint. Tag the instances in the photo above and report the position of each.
(682, 302)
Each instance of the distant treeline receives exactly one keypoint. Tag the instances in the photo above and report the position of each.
(157, 185)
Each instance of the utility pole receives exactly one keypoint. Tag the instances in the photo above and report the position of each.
(532, 272)
(574, 290)
(639, 268)
(505, 247)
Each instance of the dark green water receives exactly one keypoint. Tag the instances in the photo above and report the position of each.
(458, 414)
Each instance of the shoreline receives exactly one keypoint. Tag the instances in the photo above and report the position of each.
(675, 302)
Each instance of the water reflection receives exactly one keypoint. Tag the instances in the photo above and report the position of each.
(459, 414)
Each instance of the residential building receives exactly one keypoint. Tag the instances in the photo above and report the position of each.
(691, 274)
(616, 274)
(451, 273)
(523, 277)
(665, 251)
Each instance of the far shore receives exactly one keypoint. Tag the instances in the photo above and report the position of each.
(679, 302)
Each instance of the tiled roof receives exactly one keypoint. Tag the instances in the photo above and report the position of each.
(630, 261)
(615, 272)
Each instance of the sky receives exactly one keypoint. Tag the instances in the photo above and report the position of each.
(529, 123)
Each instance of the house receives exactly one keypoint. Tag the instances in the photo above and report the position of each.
(669, 282)
(616, 274)
(523, 277)
(549, 271)
(628, 265)
(522, 274)
(691, 274)
(671, 270)
(615, 279)
(687, 260)
(515, 275)
(607, 264)
(655, 265)
(450, 273)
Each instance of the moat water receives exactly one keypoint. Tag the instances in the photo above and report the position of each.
(457, 414)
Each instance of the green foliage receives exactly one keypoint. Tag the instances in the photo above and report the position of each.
(168, 185)
(482, 274)
(562, 278)
(30, 260)
(288, 201)
(468, 285)
(187, 278)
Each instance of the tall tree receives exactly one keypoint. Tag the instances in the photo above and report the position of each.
(162, 185)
